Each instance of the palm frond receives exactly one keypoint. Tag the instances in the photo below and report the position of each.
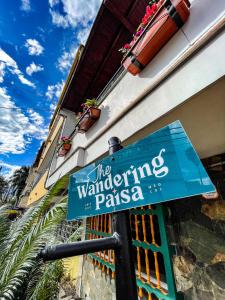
(22, 274)
(76, 235)
(25, 240)
(45, 286)
(4, 227)
(24, 225)
(21, 261)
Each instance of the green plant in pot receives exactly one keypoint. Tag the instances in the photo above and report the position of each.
(66, 143)
(89, 103)
(64, 146)
(89, 115)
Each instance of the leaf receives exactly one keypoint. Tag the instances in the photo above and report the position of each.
(23, 275)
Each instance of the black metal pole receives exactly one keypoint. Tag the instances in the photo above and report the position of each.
(79, 248)
(126, 287)
(120, 242)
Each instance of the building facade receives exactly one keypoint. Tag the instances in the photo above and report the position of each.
(179, 246)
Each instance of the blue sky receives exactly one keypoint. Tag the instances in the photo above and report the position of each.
(38, 42)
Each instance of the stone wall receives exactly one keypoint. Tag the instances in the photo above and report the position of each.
(96, 285)
(196, 232)
(198, 236)
(199, 244)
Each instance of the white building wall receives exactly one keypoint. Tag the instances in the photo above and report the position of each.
(162, 86)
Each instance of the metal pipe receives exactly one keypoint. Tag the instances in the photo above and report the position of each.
(79, 248)
(126, 287)
(120, 242)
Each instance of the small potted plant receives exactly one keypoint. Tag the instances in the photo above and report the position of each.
(65, 145)
(89, 115)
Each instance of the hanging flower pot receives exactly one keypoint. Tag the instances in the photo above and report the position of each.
(159, 24)
(62, 152)
(65, 146)
(90, 116)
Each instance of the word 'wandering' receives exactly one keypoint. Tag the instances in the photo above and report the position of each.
(112, 190)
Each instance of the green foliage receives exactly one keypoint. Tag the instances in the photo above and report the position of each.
(23, 274)
(4, 226)
(44, 281)
(60, 185)
(3, 187)
(91, 102)
(18, 181)
(152, 2)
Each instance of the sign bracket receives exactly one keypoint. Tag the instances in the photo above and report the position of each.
(120, 242)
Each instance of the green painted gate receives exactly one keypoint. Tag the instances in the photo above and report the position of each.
(155, 279)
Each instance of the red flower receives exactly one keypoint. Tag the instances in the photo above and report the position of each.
(144, 20)
(139, 32)
(148, 11)
(65, 139)
(154, 7)
(126, 46)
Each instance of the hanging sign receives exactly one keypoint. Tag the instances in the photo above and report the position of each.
(161, 167)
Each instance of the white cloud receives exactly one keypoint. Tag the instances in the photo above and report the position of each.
(54, 91)
(52, 107)
(58, 19)
(74, 12)
(2, 71)
(25, 81)
(53, 2)
(17, 128)
(65, 61)
(25, 5)
(33, 68)
(83, 35)
(8, 169)
(34, 47)
(36, 117)
(8, 63)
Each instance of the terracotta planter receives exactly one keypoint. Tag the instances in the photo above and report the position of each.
(62, 152)
(66, 146)
(89, 118)
(169, 18)
(64, 149)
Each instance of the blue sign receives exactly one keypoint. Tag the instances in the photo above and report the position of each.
(163, 166)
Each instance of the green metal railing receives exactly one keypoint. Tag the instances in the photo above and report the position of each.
(155, 279)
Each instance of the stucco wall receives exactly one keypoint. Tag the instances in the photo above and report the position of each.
(73, 270)
(147, 96)
(51, 137)
(39, 190)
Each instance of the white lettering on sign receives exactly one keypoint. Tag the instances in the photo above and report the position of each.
(104, 186)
